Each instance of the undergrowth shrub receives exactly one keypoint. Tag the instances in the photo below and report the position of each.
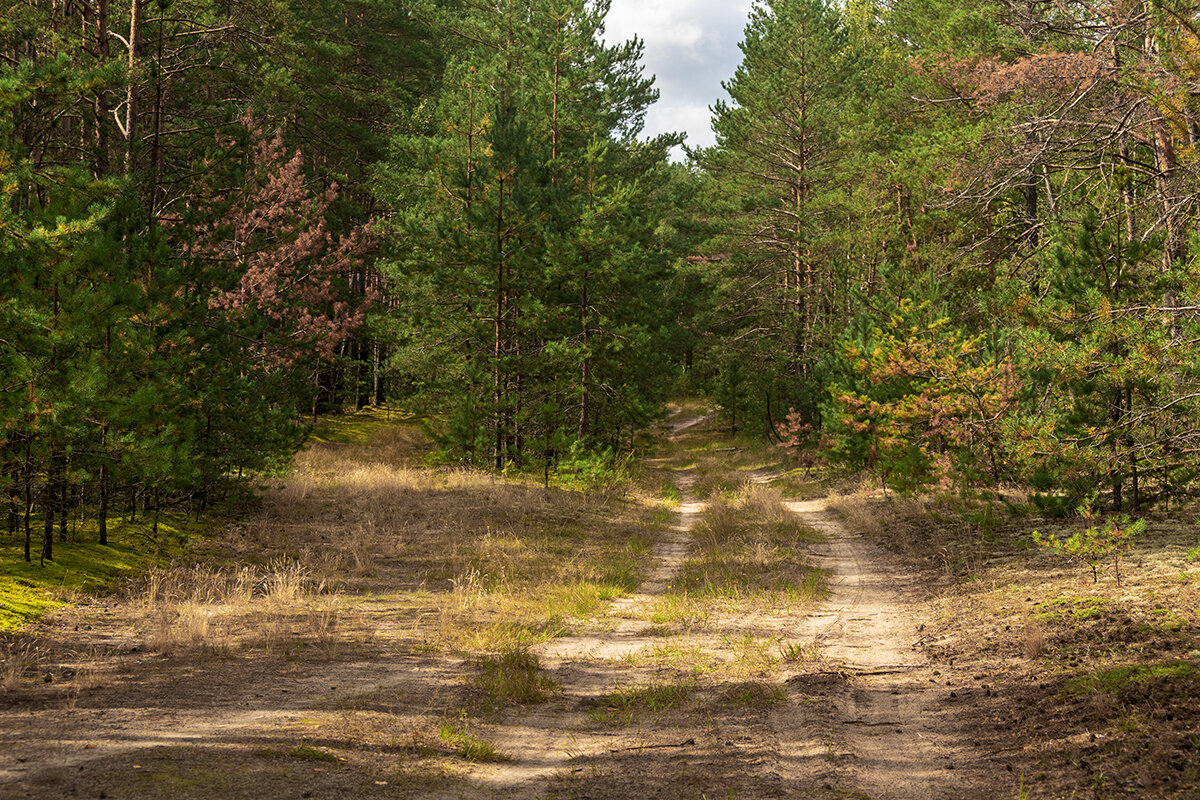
(1097, 543)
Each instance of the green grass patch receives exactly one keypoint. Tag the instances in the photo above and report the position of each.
(1079, 608)
(677, 607)
(29, 590)
(1168, 622)
(1116, 680)
(357, 427)
(468, 746)
(777, 580)
(514, 677)
(620, 707)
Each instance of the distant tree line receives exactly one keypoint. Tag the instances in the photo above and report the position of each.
(950, 243)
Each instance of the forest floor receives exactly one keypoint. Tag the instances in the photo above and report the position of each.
(719, 628)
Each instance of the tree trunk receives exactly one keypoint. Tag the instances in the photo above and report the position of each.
(131, 91)
(585, 378)
(14, 498)
(64, 494)
(48, 510)
(28, 476)
(100, 105)
(498, 342)
(1031, 209)
(377, 385)
(102, 512)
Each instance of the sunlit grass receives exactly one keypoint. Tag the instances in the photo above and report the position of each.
(81, 567)
(749, 549)
(621, 707)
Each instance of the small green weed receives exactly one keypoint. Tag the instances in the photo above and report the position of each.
(468, 746)
(798, 651)
(1193, 553)
(309, 753)
(513, 678)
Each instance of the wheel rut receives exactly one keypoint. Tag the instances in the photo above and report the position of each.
(589, 665)
(886, 734)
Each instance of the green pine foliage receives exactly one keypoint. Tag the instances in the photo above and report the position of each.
(940, 267)
(525, 229)
(155, 265)
(1096, 544)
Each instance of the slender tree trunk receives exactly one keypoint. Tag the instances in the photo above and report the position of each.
(1117, 415)
(376, 385)
(131, 91)
(102, 512)
(362, 396)
(100, 106)
(157, 154)
(14, 499)
(48, 507)
(498, 342)
(1031, 209)
(585, 378)
(63, 499)
(28, 478)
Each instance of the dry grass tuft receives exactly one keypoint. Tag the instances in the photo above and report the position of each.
(17, 659)
(217, 609)
(897, 519)
(1035, 640)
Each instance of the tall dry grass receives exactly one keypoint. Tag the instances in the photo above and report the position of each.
(896, 518)
(218, 609)
(17, 659)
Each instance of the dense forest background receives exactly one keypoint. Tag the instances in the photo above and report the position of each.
(949, 243)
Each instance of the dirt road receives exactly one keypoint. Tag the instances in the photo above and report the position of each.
(659, 696)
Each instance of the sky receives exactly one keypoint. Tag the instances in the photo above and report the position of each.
(691, 46)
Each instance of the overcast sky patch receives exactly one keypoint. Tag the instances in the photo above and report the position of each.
(691, 46)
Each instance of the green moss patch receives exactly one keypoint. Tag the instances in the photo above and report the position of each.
(31, 589)
(356, 428)
(1079, 608)
(1118, 680)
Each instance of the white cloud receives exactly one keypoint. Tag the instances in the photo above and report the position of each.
(691, 46)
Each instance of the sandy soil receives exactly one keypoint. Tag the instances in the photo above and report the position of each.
(863, 715)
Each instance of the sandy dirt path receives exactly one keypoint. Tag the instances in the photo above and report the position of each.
(866, 716)
(890, 733)
(875, 721)
(588, 666)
